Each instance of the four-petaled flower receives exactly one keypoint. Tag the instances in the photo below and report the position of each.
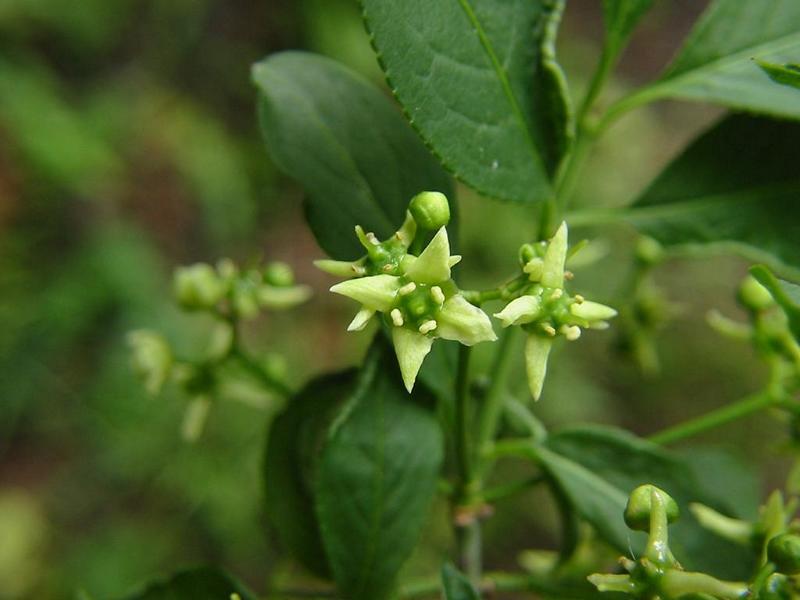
(418, 300)
(546, 310)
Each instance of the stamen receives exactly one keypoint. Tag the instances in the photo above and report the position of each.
(569, 275)
(373, 239)
(437, 294)
(571, 332)
(427, 326)
(549, 329)
(397, 317)
(579, 299)
(557, 293)
(407, 289)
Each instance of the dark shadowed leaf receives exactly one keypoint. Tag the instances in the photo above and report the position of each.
(479, 81)
(376, 479)
(194, 584)
(735, 187)
(346, 143)
(294, 443)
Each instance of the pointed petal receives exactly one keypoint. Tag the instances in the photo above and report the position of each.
(592, 311)
(463, 322)
(340, 268)
(524, 309)
(411, 348)
(270, 296)
(433, 265)
(360, 320)
(554, 258)
(537, 350)
(376, 292)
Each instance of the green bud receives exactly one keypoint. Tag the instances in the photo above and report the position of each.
(198, 287)
(638, 509)
(648, 251)
(279, 274)
(430, 210)
(784, 551)
(755, 296)
(151, 358)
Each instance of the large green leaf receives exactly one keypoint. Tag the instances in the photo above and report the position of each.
(346, 143)
(716, 64)
(292, 451)
(194, 584)
(376, 479)
(621, 17)
(736, 186)
(456, 586)
(479, 81)
(597, 467)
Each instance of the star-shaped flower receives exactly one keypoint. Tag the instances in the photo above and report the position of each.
(546, 310)
(420, 302)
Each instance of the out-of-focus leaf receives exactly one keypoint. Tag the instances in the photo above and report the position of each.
(202, 583)
(484, 72)
(376, 479)
(715, 63)
(735, 187)
(294, 443)
(785, 293)
(788, 74)
(359, 162)
(597, 467)
(456, 586)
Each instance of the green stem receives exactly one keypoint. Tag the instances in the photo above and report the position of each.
(721, 416)
(260, 373)
(492, 583)
(492, 407)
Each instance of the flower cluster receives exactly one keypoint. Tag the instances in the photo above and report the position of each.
(415, 295)
(545, 310)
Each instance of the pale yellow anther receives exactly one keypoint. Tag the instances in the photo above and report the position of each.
(579, 299)
(427, 326)
(549, 329)
(571, 332)
(437, 294)
(557, 293)
(359, 270)
(407, 289)
(387, 268)
(569, 275)
(397, 317)
(373, 239)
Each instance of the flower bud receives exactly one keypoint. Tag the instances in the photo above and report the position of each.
(648, 251)
(198, 287)
(279, 274)
(784, 551)
(430, 210)
(755, 296)
(151, 358)
(639, 507)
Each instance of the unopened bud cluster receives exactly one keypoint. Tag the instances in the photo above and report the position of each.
(415, 294)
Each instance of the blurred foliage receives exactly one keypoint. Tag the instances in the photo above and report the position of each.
(128, 145)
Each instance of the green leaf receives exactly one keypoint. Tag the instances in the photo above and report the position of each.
(735, 187)
(456, 585)
(346, 143)
(201, 583)
(621, 18)
(479, 82)
(290, 464)
(715, 63)
(376, 479)
(788, 74)
(786, 294)
(597, 467)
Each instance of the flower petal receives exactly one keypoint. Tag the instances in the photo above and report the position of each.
(537, 350)
(411, 348)
(376, 292)
(554, 258)
(524, 309)
(360, 320)
(463, 322)
(433, 265)
(340, 268)
(592, 311)
(270, 296)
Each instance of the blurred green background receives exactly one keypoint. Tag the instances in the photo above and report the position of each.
(129, 145)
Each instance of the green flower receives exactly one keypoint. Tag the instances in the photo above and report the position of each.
(417, 299)
(151, 358)
(545, 309)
